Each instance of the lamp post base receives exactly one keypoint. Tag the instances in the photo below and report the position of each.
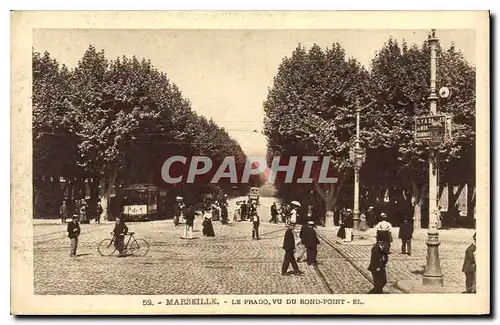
(432, 275)
(355, 225)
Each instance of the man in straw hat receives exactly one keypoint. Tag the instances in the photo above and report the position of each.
(469, 267)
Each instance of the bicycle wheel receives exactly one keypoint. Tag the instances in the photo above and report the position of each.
(139, 247)
(106, 247)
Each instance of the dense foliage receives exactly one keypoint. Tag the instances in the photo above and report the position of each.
(311, 109)
(109, 123)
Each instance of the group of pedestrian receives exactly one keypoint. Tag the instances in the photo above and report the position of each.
(287, 213)
(308, 238)
(292, 241)
(81, 210)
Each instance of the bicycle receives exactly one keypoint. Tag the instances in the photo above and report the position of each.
(138, 247)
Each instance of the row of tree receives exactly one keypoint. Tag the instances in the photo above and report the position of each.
(110, 123)
(311, 109)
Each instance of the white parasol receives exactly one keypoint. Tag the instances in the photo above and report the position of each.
(296, 203)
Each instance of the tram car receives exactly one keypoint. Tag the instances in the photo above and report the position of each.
(143, 202)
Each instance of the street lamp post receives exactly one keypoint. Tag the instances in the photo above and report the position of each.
(357, 166)
(432, 274)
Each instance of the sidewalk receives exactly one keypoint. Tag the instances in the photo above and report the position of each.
(404, 271)
(38, 222)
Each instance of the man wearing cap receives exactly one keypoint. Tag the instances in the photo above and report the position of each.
(289, 247)
(73, 233)
(378, 261)
(310, 240)
(384, 234)
(469, 267)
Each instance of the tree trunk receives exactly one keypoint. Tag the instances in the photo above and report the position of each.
(105, 200)
(418, 195)
(471, 203)
(417, 215)
(330, 198)
(94, 196)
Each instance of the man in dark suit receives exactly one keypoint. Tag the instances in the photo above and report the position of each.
(406, 234)
(378, 261)
(370, 217)
(73, 233)
(274, 213)
(469, 267)
(289, 247)
(189, 216)
(120, 231)
(310, 240)
(244, 210)
(255, 219)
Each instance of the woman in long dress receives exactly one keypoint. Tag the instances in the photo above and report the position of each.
(208, 228)
(341, 232)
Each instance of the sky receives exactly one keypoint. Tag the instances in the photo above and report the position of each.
(226, 73)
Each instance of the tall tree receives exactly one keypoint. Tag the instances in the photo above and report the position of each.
(400, 85)
(311, 109)
(119, 117)
(54, 147)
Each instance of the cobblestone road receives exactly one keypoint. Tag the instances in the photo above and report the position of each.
(230, 263)
(404, 267)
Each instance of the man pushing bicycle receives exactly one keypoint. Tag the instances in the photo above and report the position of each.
(120, 231)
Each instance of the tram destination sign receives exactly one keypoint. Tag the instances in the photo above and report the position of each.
(422, 123)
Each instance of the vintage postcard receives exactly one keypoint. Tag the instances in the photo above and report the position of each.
(250, 163)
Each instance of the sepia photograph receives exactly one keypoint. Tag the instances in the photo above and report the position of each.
(242, 168)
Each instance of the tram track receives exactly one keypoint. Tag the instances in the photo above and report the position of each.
(60, 235)
(345, 257)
